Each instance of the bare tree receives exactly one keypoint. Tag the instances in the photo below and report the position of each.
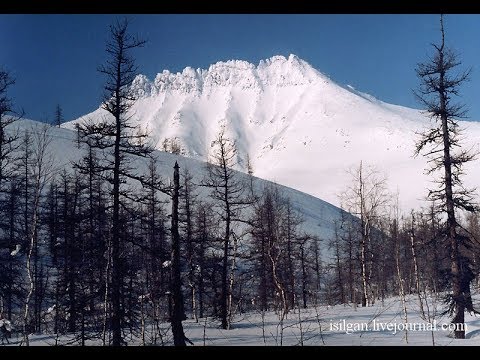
(58, 120)
(119, 142)
(229, 193)
(366, 198)
(178, 313)
(394, 234)
(441, 145)
(188, 198)
(8, 145)
(416, 271)
(41, 173)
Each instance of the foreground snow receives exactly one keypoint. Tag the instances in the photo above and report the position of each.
(380, 324)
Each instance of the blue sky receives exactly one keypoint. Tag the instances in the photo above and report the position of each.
(54, 57)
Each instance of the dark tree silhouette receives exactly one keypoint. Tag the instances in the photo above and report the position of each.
(58, 120)
(8, 116)
(8, 145)
(119, 141)
(176, 280)
(441, 144)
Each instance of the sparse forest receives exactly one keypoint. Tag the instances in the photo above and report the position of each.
(106, 252)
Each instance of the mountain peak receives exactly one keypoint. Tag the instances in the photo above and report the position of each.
(291, 71)
(277, 71)
(292, 58)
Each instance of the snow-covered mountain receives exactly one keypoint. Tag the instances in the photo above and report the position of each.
(298, 127)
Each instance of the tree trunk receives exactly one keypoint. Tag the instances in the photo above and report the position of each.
(226, 245)
(291, 272)
(304, 277)
(317, 271)
(401, 287)
(201, 264)
(365, 301)
(415, 268)
(106, 309)
(263, 276)
(31, 280)
(364, 223)
(231, 283)
(189, 243)
(176, 282)
(115, 265)
(339, 267)
(457, 291)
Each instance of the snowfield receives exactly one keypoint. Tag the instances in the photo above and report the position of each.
(382, 324)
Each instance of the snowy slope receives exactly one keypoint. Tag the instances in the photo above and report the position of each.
(319, 215)
(299, 127)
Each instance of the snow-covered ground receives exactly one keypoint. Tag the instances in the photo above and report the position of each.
(297, 125)
(378, 325)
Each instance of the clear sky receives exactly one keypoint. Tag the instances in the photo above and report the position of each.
(54, 57)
